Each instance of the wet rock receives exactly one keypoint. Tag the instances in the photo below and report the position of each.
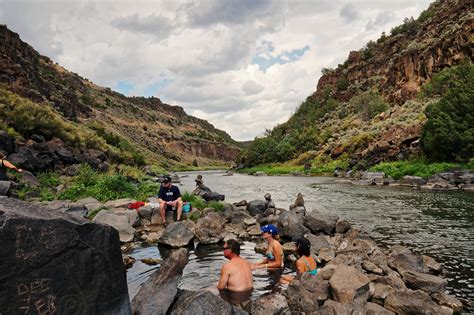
(236, 217)
(402, 259)
(425, 282)
(158, 292)
(290, 223)
(254, 230)
(288, 248)
(202, 302)
(58, 263)
(342, 226)
(177, 234)
(255, 207)
(260, 173)
(151, 261)
(299, 299)
(153, 237)
(321, 222)
(120, 222)
(348, 283)
(242, 203)
(413, 302)
(128, 261)
(272, 303)
(431, 266)
(446, 300)
(210, 229)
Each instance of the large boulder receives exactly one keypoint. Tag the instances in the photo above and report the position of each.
(210, 229)
(158, 292)
(319, 288)
(318, 242)
(290, 223)
(56, 263)
(347, 283)
(120, 222)
(413, 302)
(317, 221)
(177, 234)
(273, 303)
(299, 299)
(255, 207)
(202, 302)
(425, 282)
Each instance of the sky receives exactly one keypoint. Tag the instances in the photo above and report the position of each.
(243, 65)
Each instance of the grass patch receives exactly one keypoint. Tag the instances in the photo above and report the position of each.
(273, 169)
(199, 203)
(417, 168)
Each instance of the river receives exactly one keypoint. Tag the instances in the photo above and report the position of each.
(435, 223)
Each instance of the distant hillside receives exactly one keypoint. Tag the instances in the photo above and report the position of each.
(159, 132)
(372, 107)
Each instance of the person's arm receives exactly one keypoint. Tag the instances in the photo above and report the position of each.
(11, 166)
(224, 278)
(161, 195)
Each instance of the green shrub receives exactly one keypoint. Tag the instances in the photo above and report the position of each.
(342, 84)
(416, 168)
(369, 104)
(448, 134)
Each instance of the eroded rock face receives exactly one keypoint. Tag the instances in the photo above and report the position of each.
(158, 292)
(56, 263)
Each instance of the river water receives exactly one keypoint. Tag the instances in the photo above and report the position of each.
(435, 223)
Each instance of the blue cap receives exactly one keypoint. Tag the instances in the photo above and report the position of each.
(269, 228)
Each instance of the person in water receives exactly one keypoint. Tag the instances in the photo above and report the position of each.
(236, 281)
(4, 180)
(274, 253)
(305, 262)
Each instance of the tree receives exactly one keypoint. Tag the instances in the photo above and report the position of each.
(448, 135)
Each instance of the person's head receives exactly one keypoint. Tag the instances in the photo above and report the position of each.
(2, 156)
(303, 247)
(269, 230)
(231, 248)
(166, 182)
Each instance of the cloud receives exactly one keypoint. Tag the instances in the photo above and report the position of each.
(251, 87)
(349, 13)
(156, 25)
(244, 65)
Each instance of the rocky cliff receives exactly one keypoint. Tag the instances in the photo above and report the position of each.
(161, 132)
(371, 108)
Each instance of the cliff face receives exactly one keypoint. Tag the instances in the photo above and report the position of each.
(160, 130)
(398, 65)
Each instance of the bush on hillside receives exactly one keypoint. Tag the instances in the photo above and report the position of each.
(369, 104)
(448, 134)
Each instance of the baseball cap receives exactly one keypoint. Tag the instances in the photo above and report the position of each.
(166, 179)
(270, 228)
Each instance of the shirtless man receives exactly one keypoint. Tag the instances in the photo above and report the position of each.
(236, 281)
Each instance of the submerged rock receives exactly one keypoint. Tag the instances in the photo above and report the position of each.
(157, 294)
(273, 303)
(202, 302)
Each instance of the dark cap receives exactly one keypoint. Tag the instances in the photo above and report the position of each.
(166, 179)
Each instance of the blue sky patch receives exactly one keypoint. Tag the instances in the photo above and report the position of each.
(124, 87)
(264, 60)
(154, 88)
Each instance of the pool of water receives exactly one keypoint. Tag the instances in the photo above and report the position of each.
(436, 223)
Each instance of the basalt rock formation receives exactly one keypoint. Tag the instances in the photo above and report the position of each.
(162, 132)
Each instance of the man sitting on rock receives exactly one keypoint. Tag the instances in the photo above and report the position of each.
(236, 280)
(169, 198)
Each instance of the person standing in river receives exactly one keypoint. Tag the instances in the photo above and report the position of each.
(236, 281)
(169, 198)
(4, 180)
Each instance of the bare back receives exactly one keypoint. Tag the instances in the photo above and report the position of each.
(236, 275)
